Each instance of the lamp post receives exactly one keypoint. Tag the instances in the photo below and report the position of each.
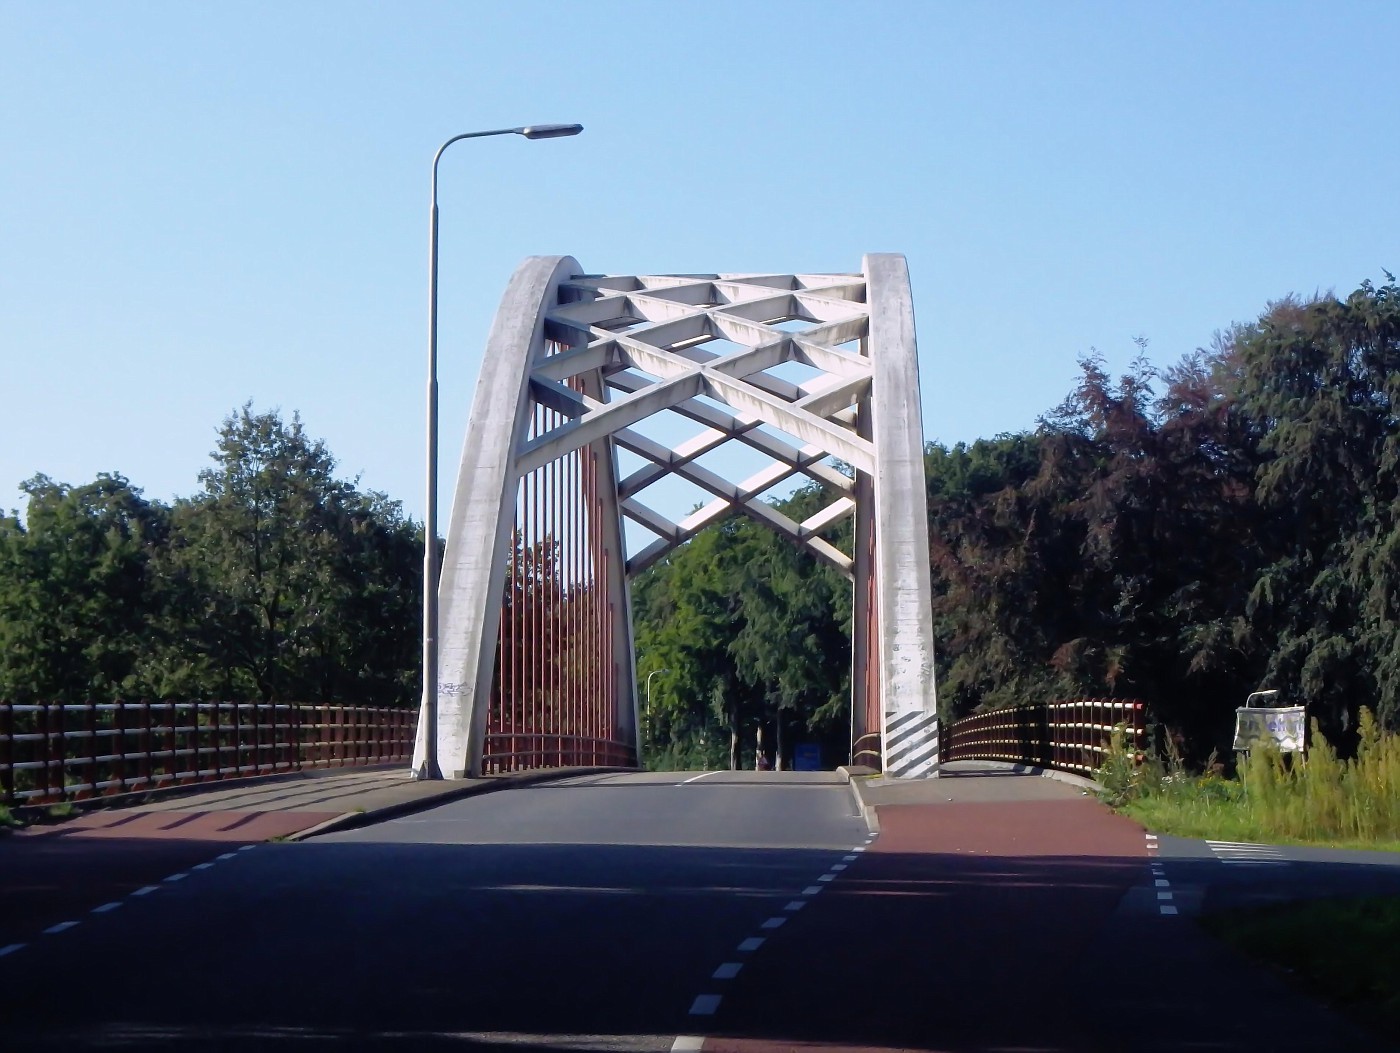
(430, 768)
(649, 676)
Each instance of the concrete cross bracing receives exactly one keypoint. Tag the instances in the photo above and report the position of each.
(577, 363)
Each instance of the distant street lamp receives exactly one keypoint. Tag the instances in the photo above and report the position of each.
(649, 676)
(430, 768)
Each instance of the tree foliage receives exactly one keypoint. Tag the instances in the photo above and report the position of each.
(277, 581)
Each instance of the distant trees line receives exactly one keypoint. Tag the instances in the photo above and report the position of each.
(1184, 536)
(277, 581)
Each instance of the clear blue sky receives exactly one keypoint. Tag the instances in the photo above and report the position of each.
(204, 204)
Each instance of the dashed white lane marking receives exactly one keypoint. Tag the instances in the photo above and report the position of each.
(1168, 910)
(1164, 895)
(1163, 883)
(201, 866)
(827, 877)
(752, 944)
(145, 891)
(696, 778)
(838, 866)
(226, 855)
(105, 908)
(177, 877)
(249, 848)
(705, 1005)
(727, 971)
(849, 859)
(773, 923)
(812, 890)
(796, 904)
(688, 1044)
(62, 926)
(10, 949)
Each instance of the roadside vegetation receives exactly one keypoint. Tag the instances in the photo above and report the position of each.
(1317, 799)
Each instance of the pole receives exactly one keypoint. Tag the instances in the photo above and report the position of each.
(430, 768)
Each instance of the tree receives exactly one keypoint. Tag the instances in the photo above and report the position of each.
(75, 590)
(285, 583)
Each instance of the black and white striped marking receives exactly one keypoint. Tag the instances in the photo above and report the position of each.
(911, 744)
(1245, 854)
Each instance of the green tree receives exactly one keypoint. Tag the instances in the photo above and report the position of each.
(285, 583)
(76, 590)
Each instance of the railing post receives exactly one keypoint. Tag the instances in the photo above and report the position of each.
(7, 757)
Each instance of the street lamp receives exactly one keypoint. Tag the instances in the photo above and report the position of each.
(430, 768)
(649, 676)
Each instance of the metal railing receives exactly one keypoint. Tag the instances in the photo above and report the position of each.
(1070, 736)
(525, 751)
(52, 752)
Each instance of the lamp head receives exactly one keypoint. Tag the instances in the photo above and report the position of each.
(549, 131)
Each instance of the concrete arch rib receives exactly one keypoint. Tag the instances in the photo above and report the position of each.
(904, 602)
(478, 534)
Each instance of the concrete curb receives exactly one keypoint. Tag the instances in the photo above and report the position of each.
(855, 776)
(469, 788)
(1069, 778)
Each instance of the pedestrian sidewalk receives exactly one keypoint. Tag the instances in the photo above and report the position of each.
(289, 807)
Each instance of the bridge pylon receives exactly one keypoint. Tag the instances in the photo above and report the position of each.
(536, 660)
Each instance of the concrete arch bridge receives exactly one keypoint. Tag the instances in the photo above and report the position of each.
(536, 662)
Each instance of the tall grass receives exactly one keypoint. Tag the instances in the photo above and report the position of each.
(1318, 799)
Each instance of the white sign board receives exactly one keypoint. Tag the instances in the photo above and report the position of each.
(1284, 727)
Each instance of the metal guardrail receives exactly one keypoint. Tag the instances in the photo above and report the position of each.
(522, 751)
(1070, 736)
(51, 752)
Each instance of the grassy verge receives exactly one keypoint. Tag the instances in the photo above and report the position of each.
(1341, 951)
(1323, 799)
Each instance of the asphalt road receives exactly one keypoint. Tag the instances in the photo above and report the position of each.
(725, 912)
(588, 913)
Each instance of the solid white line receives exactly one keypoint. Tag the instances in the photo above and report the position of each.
(697, 778)
(688, 1044)
(704, 1005)
(145, 891)
(10, 949)
(1168, 910)
(812, 890)
(105, 908)
(773, 923)
(796, 904)
(753, 943)
(62, 926)
(727, 971)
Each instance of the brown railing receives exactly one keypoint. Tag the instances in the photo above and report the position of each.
(54, 752)
(524, 752)
(1071, 736)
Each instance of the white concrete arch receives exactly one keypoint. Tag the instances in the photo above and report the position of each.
(605, 353)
